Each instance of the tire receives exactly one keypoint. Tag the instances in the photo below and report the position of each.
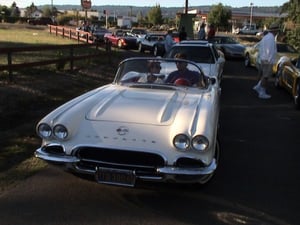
(205, 179)
(141, 47)
(155, 51)
(119, 44)
(278, 75)
(247, 60)
(297, 96)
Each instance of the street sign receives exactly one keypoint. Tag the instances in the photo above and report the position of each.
(86, 4)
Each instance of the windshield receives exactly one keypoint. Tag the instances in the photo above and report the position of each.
(285, 48)
(161, 72)
(198, 54)
(223, 40)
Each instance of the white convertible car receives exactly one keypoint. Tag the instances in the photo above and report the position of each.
(149, 124)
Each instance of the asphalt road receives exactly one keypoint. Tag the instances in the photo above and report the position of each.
(257, 182)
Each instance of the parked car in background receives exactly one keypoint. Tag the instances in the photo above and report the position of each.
(99, 33)
(205, 54)
(41, 21)
(152, 42)
(139, 32)
(121, 39)
(229, 46)
(283, 49)
(288, 77)
(248, 29)
(134, 129)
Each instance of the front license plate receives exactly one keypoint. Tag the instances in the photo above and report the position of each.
(115, 176)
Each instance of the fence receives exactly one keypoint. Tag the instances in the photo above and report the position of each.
(70, 57)
(80, 36)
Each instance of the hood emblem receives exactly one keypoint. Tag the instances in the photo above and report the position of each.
(122, 131)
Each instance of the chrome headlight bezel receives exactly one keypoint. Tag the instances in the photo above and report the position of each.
(181, 142)
(44, 130)
(60, 131)
(200, 143)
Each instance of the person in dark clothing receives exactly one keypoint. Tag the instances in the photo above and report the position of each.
(183, 73)
(182, 34)
(211, 32)
(202, 33)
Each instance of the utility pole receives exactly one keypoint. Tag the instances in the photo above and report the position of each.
(251, 13)
(186, 6)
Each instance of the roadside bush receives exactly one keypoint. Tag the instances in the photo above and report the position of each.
(64, 19)
(294, 37)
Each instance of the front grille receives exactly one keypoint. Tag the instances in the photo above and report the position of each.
(54, 149)
(114, 158)
(189, 163)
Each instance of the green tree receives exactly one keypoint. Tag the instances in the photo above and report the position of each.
(5, 11)
(293, 32)
(15, 11)
(155, 16)
(30, 9)
(140, 17)
(220, 15)
(49, 11)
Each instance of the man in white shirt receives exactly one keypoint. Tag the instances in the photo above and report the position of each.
(169, 42)
(266, 60)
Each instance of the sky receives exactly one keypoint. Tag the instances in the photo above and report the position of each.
(162, 3)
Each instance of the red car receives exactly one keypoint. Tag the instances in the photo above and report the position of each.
(121, 39)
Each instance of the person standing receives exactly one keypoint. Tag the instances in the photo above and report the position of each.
(211, 32)
(202, 33)
(267, 54)
(258, 66)
(169, 42)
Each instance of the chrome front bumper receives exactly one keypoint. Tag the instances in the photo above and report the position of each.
(161, 173)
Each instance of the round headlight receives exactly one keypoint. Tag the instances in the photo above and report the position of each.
(181, 142)
(60, 131)
(200, 143)
(44, 130)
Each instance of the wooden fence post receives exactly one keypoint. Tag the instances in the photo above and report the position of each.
(108, 50)
(9, 63)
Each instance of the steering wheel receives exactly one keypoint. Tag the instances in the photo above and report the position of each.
(182, 82)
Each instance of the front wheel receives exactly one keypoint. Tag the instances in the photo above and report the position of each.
(247, 60)
(205, 179)
(141, 47)
(155, 51)
(297, 96)
(278, 77)
(120, 43)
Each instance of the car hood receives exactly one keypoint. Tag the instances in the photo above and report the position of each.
(292, 56)
(130, 38)
(174, 111)
(210, 70)
(235, 47)
(142, 106)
